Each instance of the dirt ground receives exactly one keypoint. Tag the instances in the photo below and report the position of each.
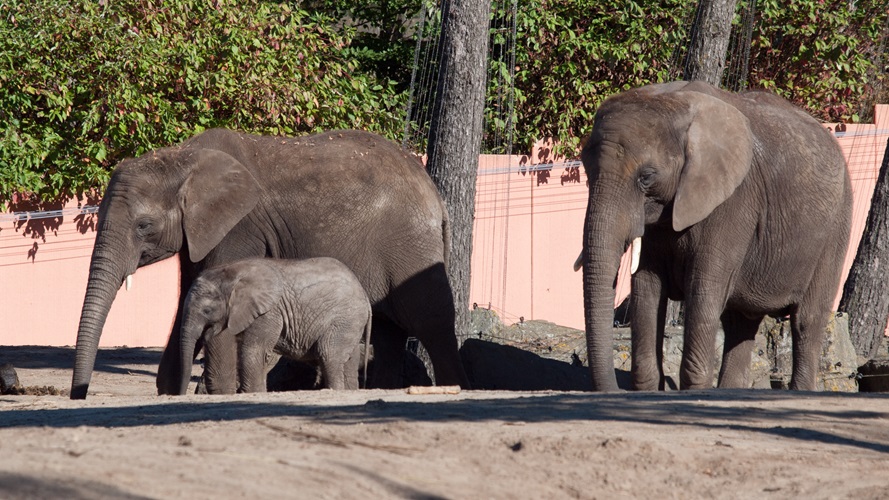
(123, 441)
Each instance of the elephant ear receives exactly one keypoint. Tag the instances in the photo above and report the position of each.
(256, 291)
(217, 194)
(718, 156)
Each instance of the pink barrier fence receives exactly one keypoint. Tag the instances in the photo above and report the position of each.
(529, 220)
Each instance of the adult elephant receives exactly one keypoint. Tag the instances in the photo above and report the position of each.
(223, 196)
(743, 203)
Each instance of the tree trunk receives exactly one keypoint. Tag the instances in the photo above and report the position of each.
(456, 132)
(864, 293)
(705, 61)
(709, 41)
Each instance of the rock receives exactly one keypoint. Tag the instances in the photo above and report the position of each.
(838, 359)
(874, 376)
(543, 338)
(771, 360)
(529, 355)
(9, 380)
(484, 323)
(493, 366)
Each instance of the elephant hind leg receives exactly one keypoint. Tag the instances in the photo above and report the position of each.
(351, 367)
(808, 334)
(424, 307)
(740, 336)
(808, 322)
(809, 319)
(333, 374)
(388, 341)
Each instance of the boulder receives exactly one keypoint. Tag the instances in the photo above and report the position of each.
(874, 376)
(771, 360)
(493, 366)
(529, 355)
(839, 362)
(9, 380)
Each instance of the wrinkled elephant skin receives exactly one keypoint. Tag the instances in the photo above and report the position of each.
(742, 206)
(312, 310)
(222, 196)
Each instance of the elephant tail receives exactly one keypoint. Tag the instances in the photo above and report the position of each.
(446, 235)
(367, 327)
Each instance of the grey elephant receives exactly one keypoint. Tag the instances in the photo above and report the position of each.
(312, 310)
(223, 196)
(743, 203)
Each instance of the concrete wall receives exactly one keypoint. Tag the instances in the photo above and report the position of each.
(44, 264)
(528, 228)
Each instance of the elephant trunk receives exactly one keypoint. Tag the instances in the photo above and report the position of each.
(105, 278)
(603, 247)
(192, 329)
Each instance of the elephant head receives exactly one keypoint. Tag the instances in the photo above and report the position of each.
(659, 156)
(167, 201)
(225, 301)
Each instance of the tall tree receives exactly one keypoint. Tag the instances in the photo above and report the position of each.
(456, 132)
(864, 293)
(709, 41)
(706, 61)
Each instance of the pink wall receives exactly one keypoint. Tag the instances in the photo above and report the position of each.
(864, 146)
(527, 235)
(513, 208)
(44, 264)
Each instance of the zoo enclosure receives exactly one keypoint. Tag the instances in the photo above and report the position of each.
(527, 233)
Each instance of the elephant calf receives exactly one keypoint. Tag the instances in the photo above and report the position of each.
(311, 310)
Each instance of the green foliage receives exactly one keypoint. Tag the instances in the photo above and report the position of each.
(572, 54)
(819, 53)
(83, 84)
(383, 43)
(86, 83)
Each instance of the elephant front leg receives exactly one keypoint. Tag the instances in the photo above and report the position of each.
(256, 352)
(740, 336)
(220, 364)
(648, 309)
(169, 372)
(702, 312)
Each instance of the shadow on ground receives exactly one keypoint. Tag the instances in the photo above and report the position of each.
(22, 486)
(713, 409)
(117, 360)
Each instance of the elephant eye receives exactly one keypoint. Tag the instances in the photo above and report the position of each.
(646, 178)
(144, 226)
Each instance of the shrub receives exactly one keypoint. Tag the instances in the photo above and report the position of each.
(84, 83)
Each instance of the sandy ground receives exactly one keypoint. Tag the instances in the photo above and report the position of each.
(126, 442)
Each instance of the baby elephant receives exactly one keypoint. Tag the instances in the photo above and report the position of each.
(310, 310)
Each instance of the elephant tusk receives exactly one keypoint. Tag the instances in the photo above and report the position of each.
(579, 262)
(636, 250)
(129, 281)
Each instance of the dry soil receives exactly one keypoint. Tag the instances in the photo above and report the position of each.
(123, 441)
